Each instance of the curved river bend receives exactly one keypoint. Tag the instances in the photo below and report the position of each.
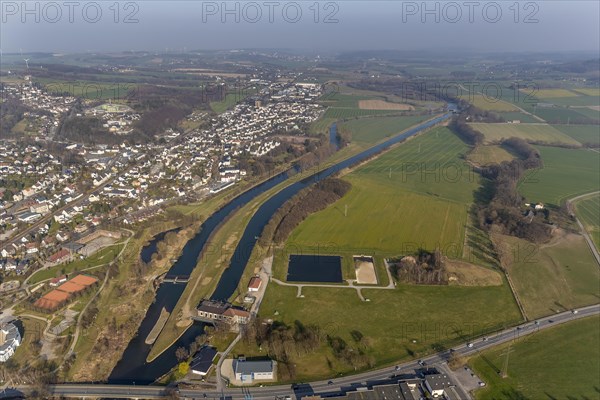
(133, 368)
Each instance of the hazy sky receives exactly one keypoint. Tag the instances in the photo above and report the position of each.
(74, 26)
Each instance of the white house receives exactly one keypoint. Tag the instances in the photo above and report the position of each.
(250, 371)
(436, 383)
(10, 339)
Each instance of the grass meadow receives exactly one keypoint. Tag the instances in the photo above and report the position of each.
(558, 363)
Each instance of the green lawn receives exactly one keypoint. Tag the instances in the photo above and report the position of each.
(372, 130)
(103, 256)
(229, 101)
(566, 174)
(530, 132)
(414, 195)
(550, 279)
(588, 212)
(559, 363)
(399, 324)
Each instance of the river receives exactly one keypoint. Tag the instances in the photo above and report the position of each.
(133, 368)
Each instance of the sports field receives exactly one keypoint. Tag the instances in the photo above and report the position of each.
(588, 212)
(490, 154)
(531, 132)
(566, 174)
(552, 278)
(558, 363)
(372, 130)
(417, 194)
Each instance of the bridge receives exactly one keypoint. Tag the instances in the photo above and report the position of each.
(177, 279)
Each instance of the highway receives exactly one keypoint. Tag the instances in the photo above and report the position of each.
(336, 385)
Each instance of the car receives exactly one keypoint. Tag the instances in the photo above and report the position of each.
(485, 339)
(469, 344)
(574, 311)
(537, 322)
(550, 320)
(421, 363)
(397, 368)
(330, 383)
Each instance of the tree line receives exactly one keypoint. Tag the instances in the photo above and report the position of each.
(503, 212)
(308, 201)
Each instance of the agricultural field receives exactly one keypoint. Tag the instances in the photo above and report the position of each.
(531, 132)
(551, 93)
(425, 319)
(589, 91)
(518, 116)
(566, 173)
(561, 115)
(372, 130)
(489, 103)
(553, 277)
(91, 90)
(588, 212)
(558, 363)
(417, 193)
(585, 134)
(382, 105)
(490, 154)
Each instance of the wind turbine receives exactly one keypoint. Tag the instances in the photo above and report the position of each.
(27, 62)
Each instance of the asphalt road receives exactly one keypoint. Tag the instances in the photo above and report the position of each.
(337, 385)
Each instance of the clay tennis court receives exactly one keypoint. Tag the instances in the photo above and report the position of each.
(52, 300)
(58, 296)
(84, 280)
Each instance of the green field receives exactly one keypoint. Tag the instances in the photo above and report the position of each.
(588, 212)
(490, 154)
(589, 91)
(343, 113)
(416, 194)
(550, 279)
(103, 256)
(552, 93)
(229, 101)
(566, 174)
(519, 116)
(489, 103)
(531, 132)
(585, 134)
(91, 90)
(558, 363)
(399, 324)
(559, 115)
(372, 130)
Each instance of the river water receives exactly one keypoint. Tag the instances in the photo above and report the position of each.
(133, 367)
